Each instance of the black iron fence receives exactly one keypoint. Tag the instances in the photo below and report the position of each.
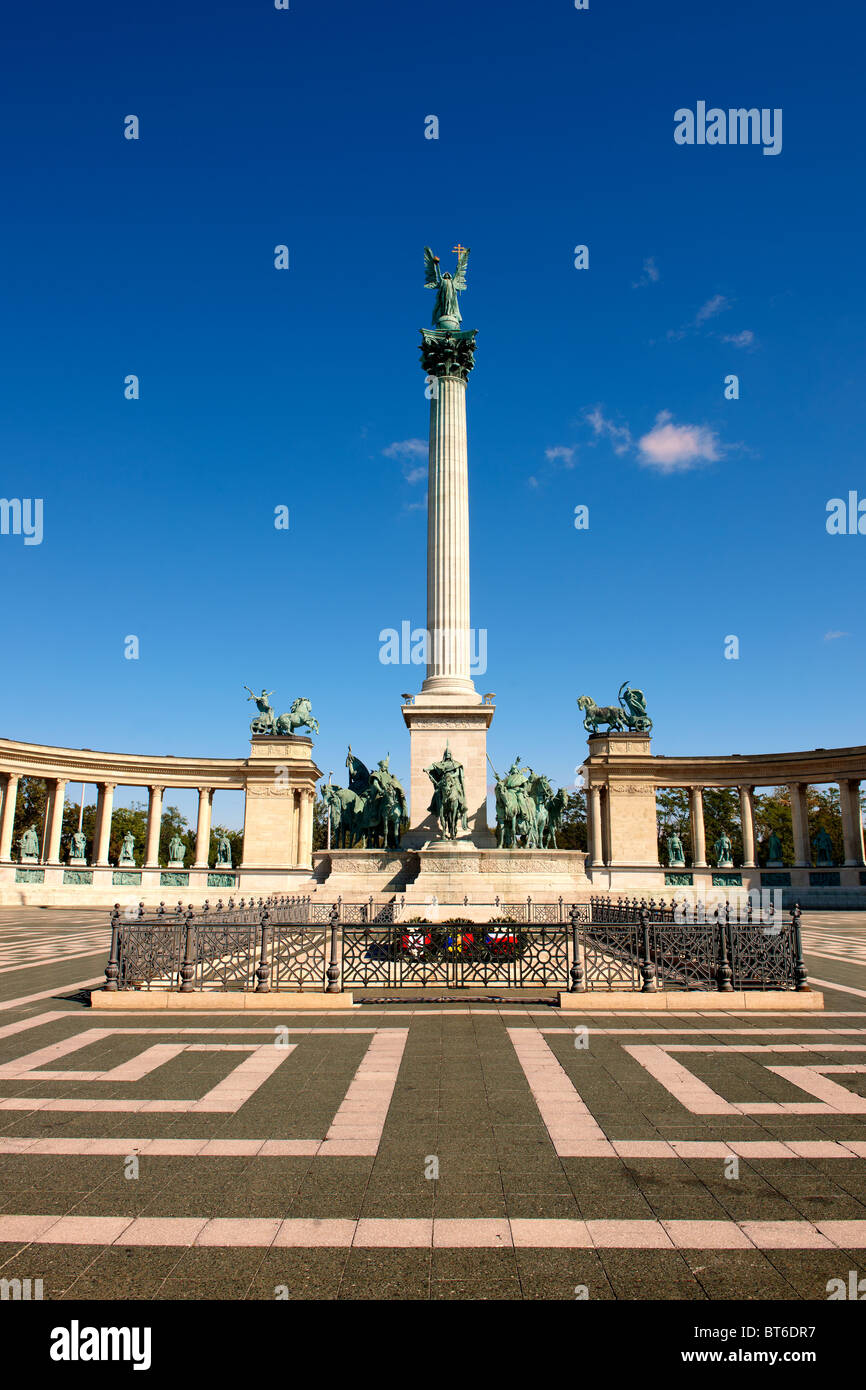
(296, 944)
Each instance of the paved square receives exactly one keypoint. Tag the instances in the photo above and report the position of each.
(466, 1150)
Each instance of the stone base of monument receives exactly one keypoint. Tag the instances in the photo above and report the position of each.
(74, 863)
(452, 870)
(209, 1001)
(679, 1001)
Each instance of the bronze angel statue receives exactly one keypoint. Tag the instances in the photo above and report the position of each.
(446, 310)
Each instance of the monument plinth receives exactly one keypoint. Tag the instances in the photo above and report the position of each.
(448, 709)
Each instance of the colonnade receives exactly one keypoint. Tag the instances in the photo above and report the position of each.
(852, 827)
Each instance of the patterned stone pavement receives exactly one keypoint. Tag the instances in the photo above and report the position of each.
(467, 1151)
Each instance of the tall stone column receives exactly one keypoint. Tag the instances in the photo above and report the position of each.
(448, 543)
(202, 831)
(154, 825)
(448, 709)
(596, 840)
(699, 839)
(849, 800)
(104, 808)
(747, 822)
(7, 817)
(800, 826)
(305, 830)
(51, 850)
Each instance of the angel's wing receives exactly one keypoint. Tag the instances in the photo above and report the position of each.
(460, 273)
(431, 270)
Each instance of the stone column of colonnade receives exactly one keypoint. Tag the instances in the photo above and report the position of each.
(596, 842)
(448, 543)
(7, 815)
(154, 825)
(800, 825)
(699, 841)
(102, 834)
(852, 822)
(304, 828)
(202, 832)
(56, 799)
(747, 825)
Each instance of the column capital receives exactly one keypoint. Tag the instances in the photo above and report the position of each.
(448, 354)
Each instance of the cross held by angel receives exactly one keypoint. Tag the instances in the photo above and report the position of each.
(446, 310)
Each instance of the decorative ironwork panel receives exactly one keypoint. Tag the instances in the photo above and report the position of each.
(150, 956)
(298, 957)
(225, 956)
(762, 957)
(685, 957)
(611, 958)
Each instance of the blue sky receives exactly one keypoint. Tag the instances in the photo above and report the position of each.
(262, 388)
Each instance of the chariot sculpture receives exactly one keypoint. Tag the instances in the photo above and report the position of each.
(629, 716)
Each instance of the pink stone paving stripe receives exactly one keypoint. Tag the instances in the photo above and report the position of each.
(164, 1230)
(707, 1235)
(23, 1024)
(311, 1232)
(442, 1233)
(691, 1092)
(466, 1232)
(573, 1131)
(393, 1234)
(630, 1235)
(232, 1231)
(550, 1234)
(788, 1235)
(362, 1114)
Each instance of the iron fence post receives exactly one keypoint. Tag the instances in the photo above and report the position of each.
(647, 969)
(112, 968)
(263, 974)
(724, 975)
(187, 970)
(333, 967)
(577, 985)
(800, 973)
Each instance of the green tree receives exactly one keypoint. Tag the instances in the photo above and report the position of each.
(572, 834)
(672, 814)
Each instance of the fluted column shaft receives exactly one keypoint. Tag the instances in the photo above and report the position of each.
(7, 817)
(699, 839)
(800, 825)
(154, 824)
(596, 842)
(104, 808)
(747, 822)
(202, 831)
(51, 850)
(448, 656)
(305, 829)
(849, 799)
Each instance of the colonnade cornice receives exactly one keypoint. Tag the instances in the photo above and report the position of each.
(733, 770)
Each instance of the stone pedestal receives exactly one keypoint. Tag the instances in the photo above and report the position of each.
(626, 799)
(278, 812)
(462, 723)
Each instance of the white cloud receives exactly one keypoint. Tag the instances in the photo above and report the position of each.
(561, 453)
(716, 305)
(406, 449)
(619, 435)
(744, 339)
(831, 635)
(649, 276)
(417, 506)
(677, 448)
(415, 475)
